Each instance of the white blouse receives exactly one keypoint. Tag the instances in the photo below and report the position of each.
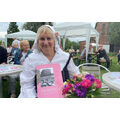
(27, 77)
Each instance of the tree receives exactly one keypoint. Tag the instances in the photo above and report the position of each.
(114, 33)
(13, 27)
(33, 26)
(68, 44)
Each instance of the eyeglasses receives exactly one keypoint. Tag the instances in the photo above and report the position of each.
(26, 45)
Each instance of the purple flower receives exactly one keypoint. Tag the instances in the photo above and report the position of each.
(90, 77)
(80, 91)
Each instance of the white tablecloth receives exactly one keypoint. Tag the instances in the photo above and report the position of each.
(112, 79)
(10, 69)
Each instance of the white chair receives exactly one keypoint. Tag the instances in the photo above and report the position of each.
(95, 69)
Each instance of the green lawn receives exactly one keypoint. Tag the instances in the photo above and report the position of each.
(113, 67)
(5, 88)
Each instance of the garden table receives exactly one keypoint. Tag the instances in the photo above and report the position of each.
(112, 79)
(6, 70)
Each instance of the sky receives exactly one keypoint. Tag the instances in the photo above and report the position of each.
(4, 27)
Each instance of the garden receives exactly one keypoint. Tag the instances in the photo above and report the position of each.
(114, 67)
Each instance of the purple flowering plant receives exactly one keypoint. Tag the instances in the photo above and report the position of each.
(82, 86)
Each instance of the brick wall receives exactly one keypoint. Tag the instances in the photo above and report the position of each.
(83, 43)
(102, 28)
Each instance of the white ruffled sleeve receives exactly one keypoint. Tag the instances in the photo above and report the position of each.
(72, 68)
(27, 80)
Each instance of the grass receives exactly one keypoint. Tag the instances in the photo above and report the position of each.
(113, 68)
(5, 88)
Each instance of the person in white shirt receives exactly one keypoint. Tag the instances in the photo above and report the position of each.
(9, 49)
(71, 50)
(46, 51)
(83, 54)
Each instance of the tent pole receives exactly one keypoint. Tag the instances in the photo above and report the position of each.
(97, 40)
(64, 40)
(5, 41)
(88, 42)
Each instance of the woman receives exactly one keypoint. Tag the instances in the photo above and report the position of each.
(21, 55)
(46, 51)
(14, 50)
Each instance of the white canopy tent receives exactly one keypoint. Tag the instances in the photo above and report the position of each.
(77, 29)
(25, 34)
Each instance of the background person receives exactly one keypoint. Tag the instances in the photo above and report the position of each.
(83, 54)
(16, 41)
(14, 50)
(19, 58)
(118, 56)
(3, 55)
(102, 54)
(46, 51)
(71, 50)
(23, 53)
(3, 60)
(9, 48)
(13, 77)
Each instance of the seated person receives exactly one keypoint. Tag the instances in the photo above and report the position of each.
(71, 50)
(14, 50)
(102, 54)
(20, 56)
(22, 53)
(83, 55)
(16, 41)
(3, 55)
(9, 49)
(77, 51)
(118, 57)
(3, 60)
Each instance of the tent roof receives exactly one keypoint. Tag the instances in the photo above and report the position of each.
(25, 34)
(75, 29)
(1, 38)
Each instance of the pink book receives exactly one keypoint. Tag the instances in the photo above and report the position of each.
(49, 81)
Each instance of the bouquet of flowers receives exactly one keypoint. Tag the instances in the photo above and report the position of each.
(82, 86)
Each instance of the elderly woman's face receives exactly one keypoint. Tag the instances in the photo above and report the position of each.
(46, 43)
(26, 46)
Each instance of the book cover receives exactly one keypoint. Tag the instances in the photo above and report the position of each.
(49, 81)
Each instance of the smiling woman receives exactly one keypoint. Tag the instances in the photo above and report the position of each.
(46, 52)
(46, 42)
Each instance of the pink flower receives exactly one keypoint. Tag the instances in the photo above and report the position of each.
(67, 88)
(97, 83)
(77, 75)
(86, 83)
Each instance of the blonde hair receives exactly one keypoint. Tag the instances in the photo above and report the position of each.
(22, 43)
(41, 31)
